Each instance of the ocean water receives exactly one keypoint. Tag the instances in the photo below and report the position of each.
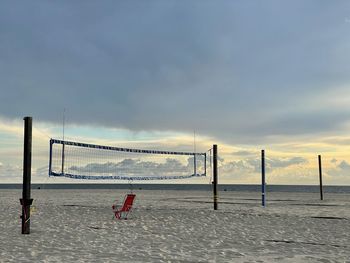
(190, 187)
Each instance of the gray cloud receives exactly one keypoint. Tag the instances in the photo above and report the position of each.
(137, 167)
(285, 162)
(344, 166)
(10, 172)
(250, 166)
(237, 169)
(341, 169)
(240, 71)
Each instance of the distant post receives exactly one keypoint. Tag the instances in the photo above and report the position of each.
(263, 183)
(26, 201)
(320, 174)
(215, 175)
(205, 164)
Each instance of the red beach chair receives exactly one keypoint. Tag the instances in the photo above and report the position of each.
(123, 212)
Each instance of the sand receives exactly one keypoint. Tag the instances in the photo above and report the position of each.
(176, 226)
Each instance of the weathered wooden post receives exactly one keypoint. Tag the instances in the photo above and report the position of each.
(205, 164)
(320, 175)
(63, 143)
(50, 158)
(26, 201)
(215, 175)
(263, 182)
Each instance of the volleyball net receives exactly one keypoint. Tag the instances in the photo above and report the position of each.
(96, 162)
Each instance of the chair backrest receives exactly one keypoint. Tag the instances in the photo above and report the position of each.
(128, 201)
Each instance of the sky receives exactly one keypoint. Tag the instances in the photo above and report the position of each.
(246, 75)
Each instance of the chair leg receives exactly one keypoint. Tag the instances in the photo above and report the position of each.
(122, 215)
(125, 215)
(117, 215)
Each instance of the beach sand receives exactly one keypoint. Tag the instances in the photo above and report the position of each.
(176, 226)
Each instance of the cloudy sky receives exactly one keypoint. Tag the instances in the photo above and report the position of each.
(246, 75)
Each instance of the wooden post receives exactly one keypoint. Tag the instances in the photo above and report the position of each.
(263, 183)
(320, 174)
(50, 158)
(215, 174)
(194, 155)
(205, 164)
(63, 143)
(26, 201)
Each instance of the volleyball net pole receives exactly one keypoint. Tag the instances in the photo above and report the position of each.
(26, 201)
(263, 182)
(320, 175)
(215, 176)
